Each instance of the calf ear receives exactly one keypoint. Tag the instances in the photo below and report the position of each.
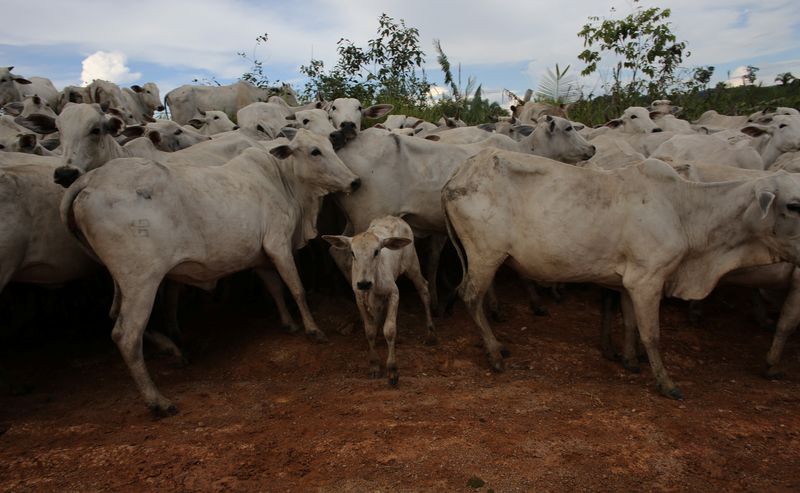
(281, 152)
(756, 130)
(377, 110)
(765, 201)
(614, 123)
(114, 126)
(196, 123)
(340, 242)
(137, 88)
(14, 108)
(41, 124)
(395, 242)
(21, 80)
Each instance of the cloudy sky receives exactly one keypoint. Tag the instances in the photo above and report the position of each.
(504, 44)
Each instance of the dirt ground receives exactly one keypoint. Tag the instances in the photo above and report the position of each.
(262, 410)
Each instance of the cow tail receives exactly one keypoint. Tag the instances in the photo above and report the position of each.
(451, 297)
(67, 211)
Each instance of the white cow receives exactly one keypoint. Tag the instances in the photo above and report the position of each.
(346, 113)
(166, 135)
(111, 98)
(634, 120)
(780, 136)
(211, 122)
(646, 231)
(16, 88)
(72, 94)
(708, 149)
(185, 101)
(143, 101)
(196, 224)
(28, 106)
(381, 254)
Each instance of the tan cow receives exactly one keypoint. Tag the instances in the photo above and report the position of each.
(381, 254)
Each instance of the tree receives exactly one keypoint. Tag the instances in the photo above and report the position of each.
(256, 74)
(649, 51)
(558, 87)
(750, 75)
(389, 68)
(785, 78)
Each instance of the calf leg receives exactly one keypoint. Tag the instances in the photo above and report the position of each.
(787, 323)
(390, 333)
(272, 281)
(281, 257)
(646, 299)
(370, 331)
(415, 275)
(136, 304)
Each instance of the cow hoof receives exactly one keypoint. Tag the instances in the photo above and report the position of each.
(318, 336)
(498, 316)
(643, 358)
(611, 355)
(374, 374)
(163, 411)
(496, 363)
(291, 328)
(394, 377)
(773, 373)
(504, 352)
(540, 311)
(673, 393)
(431, 339)
(631, 366)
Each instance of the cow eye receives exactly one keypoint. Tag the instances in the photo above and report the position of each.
(359, 108)
(2, 146)
(633, 117)
(782, 125)
(376, 253)
(305, 121)
(95, 131)
(568, 129)
(794, 207)
(333, 108)
(148, 92)
(179, 131)
(216, 118)
(315, 152)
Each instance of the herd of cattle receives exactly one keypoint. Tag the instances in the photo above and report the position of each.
(648, 204)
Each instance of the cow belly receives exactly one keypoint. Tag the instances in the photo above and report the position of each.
(207, 271)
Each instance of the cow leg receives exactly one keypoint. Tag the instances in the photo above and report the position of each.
(113, 313)
(172, 293)
(282, 258)
(163, 343)
(761, 311)
(272, 282)
(494, 304)
(606, 343)
(534, 299)
(477, 282)
(135, 307)
(695, 311)
(646, 300)
(390, 333)
(370, 331)
(787, 323)
(630, 359)
(436, 245)
(414, 274)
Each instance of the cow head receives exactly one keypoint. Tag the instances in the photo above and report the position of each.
(775, 214)
(8, 89)
(557, 138)
(367, 250)
(635, 120)
(781, 135)
(346, 113)
(316, 163)
(212, 122)
(149, 96)
(312, 120)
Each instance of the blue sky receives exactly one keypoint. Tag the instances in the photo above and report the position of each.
(504, 44)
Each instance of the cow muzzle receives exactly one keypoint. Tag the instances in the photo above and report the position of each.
(364, 285)
(160, 108)
(66, 176)
(355, 184)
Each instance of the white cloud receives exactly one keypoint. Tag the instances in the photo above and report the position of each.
(107, 66)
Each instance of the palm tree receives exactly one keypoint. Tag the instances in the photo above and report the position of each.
(558, 88)
(785, 78)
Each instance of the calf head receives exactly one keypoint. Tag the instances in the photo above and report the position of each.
(365, 249)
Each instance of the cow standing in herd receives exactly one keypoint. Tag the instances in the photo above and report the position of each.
(196, 203)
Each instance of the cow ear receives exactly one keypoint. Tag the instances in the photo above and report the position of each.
(676, 109)
(202, 112)
(756, 130)
(765, 201)
(291, 117)
(525, 130)
(41, 124)
(281, 152)
(27, 142)
(21, 80)
(450, 122)
(318, 105)
(379, 125)
(105, 106)
(552, 123)
(196, 123)
(513, 109)
(50, 144)
(395, 242)
(432, 138)
(655, 114)
(614, 123)
(377, 110)
(114, 126)
(14, 108)
(417, 130)
(488, 127)
(75, 97)
(578, 126)
(137, 88)
(155, 138)
(134, 131)
(288, 132)
(339, 242)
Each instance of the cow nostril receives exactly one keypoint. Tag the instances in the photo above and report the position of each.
(236, 127)
(355, 184)
(65, 176)
(364, 285)
(160, 108)
(657, 130)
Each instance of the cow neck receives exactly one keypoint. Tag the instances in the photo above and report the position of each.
(306, 198)
(766, 147)
(720, 238)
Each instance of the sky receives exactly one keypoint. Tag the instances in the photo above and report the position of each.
(503, 44)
